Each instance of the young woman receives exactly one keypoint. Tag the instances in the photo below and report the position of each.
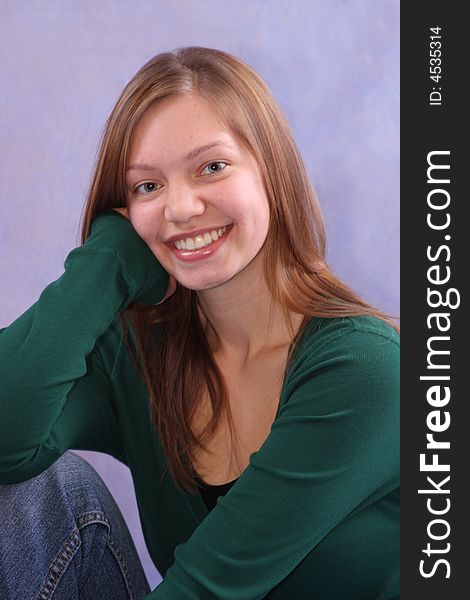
(253, 396)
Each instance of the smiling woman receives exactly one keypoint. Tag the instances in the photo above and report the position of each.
(255, 398)
(188, 196)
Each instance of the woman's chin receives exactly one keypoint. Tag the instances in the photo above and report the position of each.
(201, 284)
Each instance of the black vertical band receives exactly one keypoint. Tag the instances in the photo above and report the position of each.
(434, 317)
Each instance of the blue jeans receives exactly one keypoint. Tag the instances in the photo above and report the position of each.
(62, 537)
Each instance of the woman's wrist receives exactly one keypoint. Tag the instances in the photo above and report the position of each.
(147, 281)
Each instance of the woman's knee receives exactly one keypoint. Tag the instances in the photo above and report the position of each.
(69, 480)
(64, 514)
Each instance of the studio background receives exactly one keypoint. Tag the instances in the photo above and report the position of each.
(332, 65)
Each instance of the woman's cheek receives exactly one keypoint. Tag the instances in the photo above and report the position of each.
(143, 222)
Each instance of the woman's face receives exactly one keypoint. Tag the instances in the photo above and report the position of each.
(195, 194)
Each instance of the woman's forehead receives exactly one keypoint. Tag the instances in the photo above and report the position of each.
(185, 126)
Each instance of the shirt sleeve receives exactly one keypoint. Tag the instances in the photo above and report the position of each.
(333, 449)
(55, 391)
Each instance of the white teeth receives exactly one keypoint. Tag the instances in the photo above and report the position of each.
(200, 241)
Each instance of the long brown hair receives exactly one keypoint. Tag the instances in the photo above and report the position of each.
(174, 358)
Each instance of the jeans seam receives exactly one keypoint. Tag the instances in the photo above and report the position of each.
(72, 544)
(92, 517)
(98, 517)
(122, 565)
(63, 559)
(59, 565)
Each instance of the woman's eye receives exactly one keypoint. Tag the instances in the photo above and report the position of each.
(147, 188)
(214, 167)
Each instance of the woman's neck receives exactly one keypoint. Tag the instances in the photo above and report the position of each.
(245, 320)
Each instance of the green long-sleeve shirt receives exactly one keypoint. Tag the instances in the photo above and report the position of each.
(313, 516)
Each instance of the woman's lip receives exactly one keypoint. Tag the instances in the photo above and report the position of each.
(196, 232)
(200, 253)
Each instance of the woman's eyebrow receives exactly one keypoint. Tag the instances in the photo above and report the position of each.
(189, 156)
(196, 151)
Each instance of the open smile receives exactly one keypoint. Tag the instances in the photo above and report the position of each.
(201, 240)
(199, 246)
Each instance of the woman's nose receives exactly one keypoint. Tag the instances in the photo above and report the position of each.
(182, 205)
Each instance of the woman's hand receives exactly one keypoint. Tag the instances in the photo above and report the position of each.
(171, 280)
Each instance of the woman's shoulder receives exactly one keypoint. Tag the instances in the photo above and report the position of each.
(353, 346)
(349, 363)
(354, 332)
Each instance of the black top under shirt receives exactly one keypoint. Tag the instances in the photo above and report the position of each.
(210, 493)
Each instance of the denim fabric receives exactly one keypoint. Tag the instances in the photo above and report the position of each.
(62, 537)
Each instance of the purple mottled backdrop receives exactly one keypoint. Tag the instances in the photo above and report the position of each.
(332, 64)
